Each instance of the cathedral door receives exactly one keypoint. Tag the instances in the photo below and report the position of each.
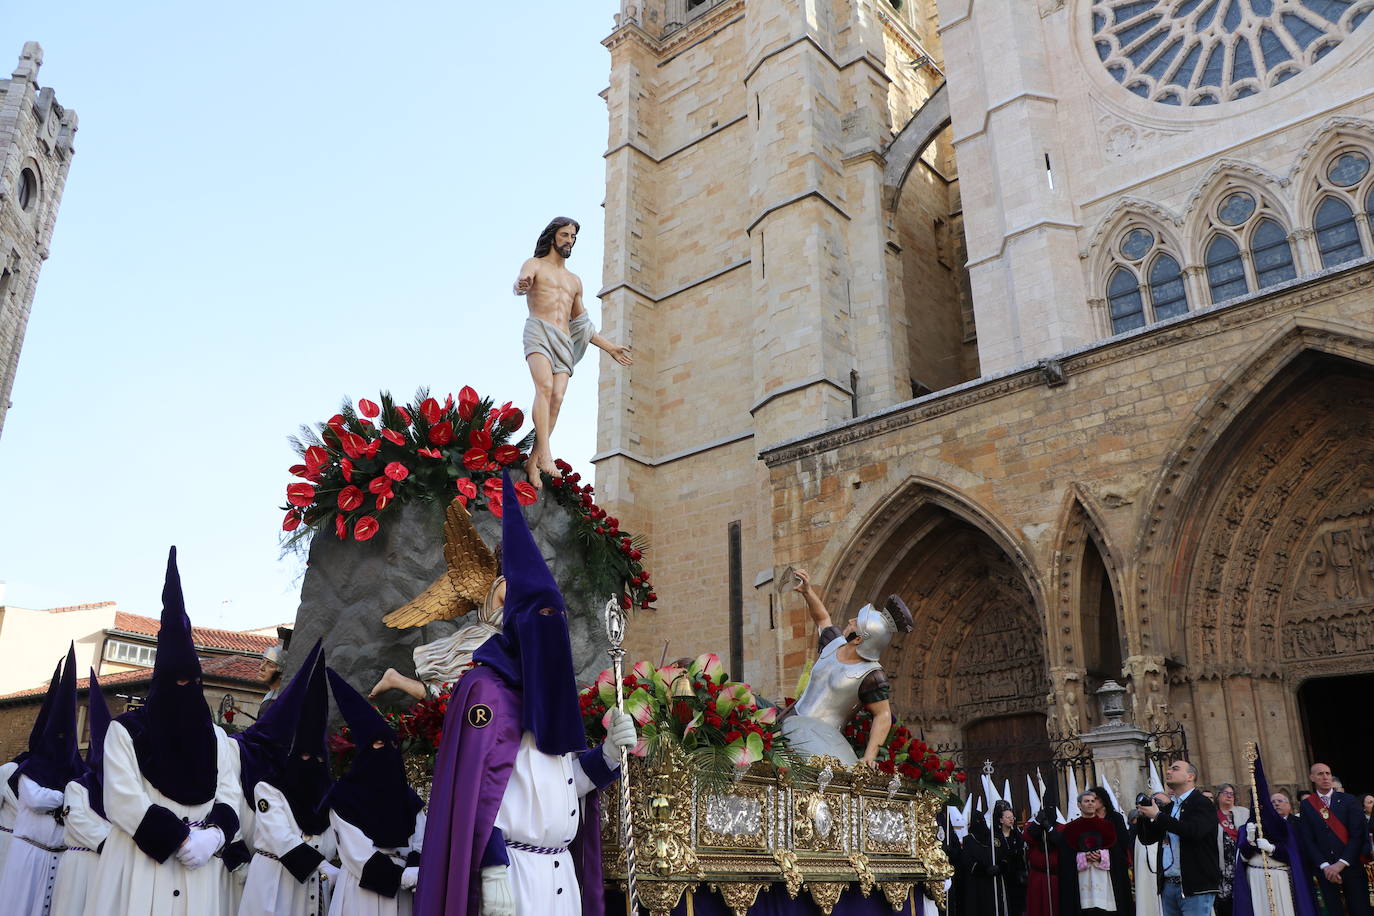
(1016, 745)
(1335, 719)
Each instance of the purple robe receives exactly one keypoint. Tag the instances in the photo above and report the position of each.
(471, 770)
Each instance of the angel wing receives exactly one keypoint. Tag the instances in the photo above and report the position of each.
(463, 586)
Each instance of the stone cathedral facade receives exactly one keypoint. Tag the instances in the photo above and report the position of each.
(36, 136)
(1054, 318)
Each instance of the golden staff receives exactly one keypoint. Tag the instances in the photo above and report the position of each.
(1251, 755)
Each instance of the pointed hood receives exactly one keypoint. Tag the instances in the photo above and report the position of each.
(373, 795)
(265, 745)
(98, 718)
(1156, 784)
(533, 653)
(54, 759)
(40, 722)
(1071, 803)
(173, 735)
(1032, 796)
(296, 724)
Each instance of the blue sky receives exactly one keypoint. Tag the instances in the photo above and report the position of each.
(273, 206)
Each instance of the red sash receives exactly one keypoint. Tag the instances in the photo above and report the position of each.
(1320, 808)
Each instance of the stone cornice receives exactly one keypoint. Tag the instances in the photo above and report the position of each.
(795, 199)
(681, 288)
(658, 160)
(1214, 320)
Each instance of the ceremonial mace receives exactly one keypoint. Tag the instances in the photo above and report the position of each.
(1251, 755)
(615, 633)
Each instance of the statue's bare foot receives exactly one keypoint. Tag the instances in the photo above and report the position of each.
(547, 466)
(532, 472)
(391, 680)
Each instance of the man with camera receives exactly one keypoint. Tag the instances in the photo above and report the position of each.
(1188, 867)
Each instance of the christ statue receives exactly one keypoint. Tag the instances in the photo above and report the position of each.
(556, 333)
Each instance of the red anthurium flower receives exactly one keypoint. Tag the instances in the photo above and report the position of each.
(298, 470)
(480, 438)
(391, 435)
(494, 503)
(364, 528)
(383, 502)
(441, 433)
(430, 410)
(467, 402)
(404, 415)
(429, 452)
(368, 408)
(316, 457)
(368, 423)
(492, 485)
(346, 467)
(336, 420)
(525, 493)
(300, 494)
(340, 527)
(397, 471)
(475, 459)
(293, 520)
(380, 485)
(350, 498)
(372, 447)
(467, 488)
(448, 401)
(353, 444)
(462, 500)
(513, 418)
(506, 454)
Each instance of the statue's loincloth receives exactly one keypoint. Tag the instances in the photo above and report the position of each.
(563, 350)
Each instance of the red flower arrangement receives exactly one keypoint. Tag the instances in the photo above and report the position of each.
(621, 553)
(903, 753)
(358, 462)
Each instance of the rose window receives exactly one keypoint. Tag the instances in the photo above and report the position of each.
(1204, 52)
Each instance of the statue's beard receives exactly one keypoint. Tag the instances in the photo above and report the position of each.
(565, 252)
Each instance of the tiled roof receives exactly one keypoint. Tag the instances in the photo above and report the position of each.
(79, 607)
(205, 637)
(107, 680)
(231, 667)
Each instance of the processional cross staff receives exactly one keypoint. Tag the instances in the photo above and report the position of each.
(615, 634)
(1251, 755)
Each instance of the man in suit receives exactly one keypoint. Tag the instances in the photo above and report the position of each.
(1188, 869)
(1333, 834)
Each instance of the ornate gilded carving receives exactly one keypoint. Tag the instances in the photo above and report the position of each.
(862, 872)
(739, 896)
(790, 871)
(826, 894)
(660, 896)
(818, 820)
(887, 826)
(734, 818)
(897, 892)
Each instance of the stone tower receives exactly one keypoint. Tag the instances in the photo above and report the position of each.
(36, 149)
(776, 266)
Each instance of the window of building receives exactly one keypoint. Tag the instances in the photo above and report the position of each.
(1225, 269)
(1244, 219)
(1131, 303)
(130, 653)
(28, 189)
(1272, 254)
(1344, 188)
(1338, 238)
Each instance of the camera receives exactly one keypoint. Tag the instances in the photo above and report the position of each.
(1144, 798)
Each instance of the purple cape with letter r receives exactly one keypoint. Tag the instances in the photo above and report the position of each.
(470, 775)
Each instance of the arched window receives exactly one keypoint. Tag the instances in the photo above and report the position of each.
(1225, 270)
(1139, 253)
(1166, 288)
(1338, 238)
(1124, 301)
(1271, 253)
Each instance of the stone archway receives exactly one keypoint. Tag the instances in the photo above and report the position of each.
(977, 651)
(1269, 581)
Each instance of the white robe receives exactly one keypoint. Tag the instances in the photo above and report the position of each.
(271, 890)
(27, 880)
(1279, 880)
(83, 832)
(9, 810)
(130, 883)
(239, 876)
(354, 850)
(1147, 900)
(542, 807)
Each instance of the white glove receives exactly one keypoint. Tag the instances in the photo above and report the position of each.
(1264, 845)
(329, 871)
(620, 734)
(1250, 833)
(409, 876)
(497, 899)
(199, 846)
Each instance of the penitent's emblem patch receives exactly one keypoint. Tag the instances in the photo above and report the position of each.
(262, 805)
(479, 716)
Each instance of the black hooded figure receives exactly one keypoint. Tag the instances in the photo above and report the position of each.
(170, 785)
(290, 769)
(84, 826)
(40, 782)
(985, 889)
(375, 812)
